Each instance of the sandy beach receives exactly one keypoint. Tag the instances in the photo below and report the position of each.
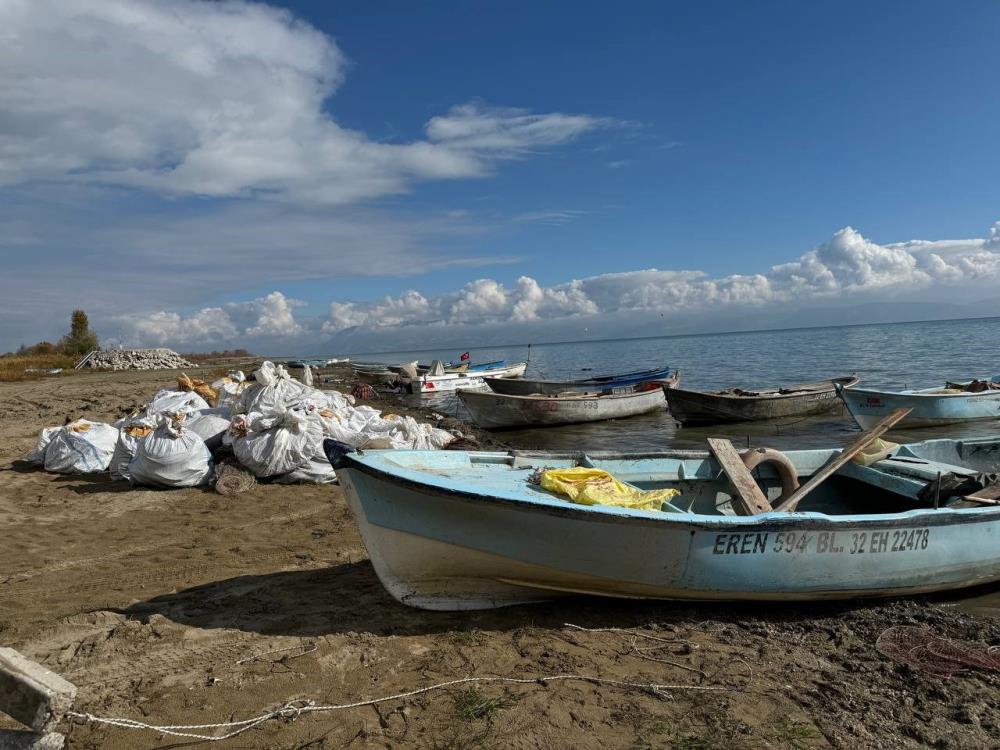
(188, 607)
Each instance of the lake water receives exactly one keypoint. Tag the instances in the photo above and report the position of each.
(893, 356)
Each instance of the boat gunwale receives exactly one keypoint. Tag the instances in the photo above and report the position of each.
(568, 396)
(773, 395)
(605, 379)
(765, 522)
(921, 393)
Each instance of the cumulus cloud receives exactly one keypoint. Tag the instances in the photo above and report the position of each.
(218, 99)
(846, 266)
(269, 317)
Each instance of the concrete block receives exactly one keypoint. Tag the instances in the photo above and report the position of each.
(32, 694)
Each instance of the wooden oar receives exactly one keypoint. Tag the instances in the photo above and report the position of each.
(884, 425)
(748, 499)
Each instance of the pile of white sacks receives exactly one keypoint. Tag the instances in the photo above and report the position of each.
(274, 426)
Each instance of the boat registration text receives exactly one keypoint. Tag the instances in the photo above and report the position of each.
(822, 542)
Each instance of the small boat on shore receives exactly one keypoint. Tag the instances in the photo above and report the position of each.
(498, 411)
(528, 387)
(460, 381)
(376, 373)
(972, 401)
(454, 530)
(752, 405)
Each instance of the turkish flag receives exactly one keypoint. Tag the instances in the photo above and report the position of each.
(464, 357)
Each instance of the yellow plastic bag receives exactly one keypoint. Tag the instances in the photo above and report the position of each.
(875, 452)
(597, 487)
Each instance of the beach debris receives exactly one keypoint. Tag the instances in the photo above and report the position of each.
(135, 359)
(921, 649)
(203, 389)
(210, 425)
(364, 392)
(231, 478)
(175, 401)
(274, 425)
(79, 447)
(276, 441)
(129, 436)
(171, 456)
(33, 695)
(229, 389)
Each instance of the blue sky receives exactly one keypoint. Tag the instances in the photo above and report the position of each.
(336, 153)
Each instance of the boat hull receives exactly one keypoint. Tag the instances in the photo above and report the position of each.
(927, 410)
(699, 407)
(441, 549)
(495, 411)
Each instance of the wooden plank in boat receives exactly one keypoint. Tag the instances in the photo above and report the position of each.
(748, 500)
(986, 496)
(878, 429)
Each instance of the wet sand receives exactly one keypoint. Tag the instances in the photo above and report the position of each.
(155, 604)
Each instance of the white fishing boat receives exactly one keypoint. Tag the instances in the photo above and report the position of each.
(497, 411)
(460, 381)
(973, 401)
(454, 530)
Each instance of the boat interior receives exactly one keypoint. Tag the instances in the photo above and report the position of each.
(890, 485)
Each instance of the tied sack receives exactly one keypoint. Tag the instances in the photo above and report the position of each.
(131, 433)
(81, 447)
(274, 391)
(273, 445)
(171, 456)
(597, 487)
(172, 401)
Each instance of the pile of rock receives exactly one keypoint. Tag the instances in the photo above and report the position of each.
(137, 359)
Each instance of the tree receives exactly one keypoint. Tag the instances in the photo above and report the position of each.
(80, 339)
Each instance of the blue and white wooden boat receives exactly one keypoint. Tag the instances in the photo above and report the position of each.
(452, 530)
(524, 387)
(930, 406)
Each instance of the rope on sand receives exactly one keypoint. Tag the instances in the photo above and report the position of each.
(295, 708)
(231, 478)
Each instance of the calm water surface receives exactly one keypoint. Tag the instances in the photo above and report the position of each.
(893, 356)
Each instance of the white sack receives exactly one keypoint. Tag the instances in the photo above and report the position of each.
(81, 447)
(129, 436)
(173, 401)
(171, 456)
(317, 470)
(277, 445)
(37, 455)
(229, 390)
(404, 432)
(209, 424)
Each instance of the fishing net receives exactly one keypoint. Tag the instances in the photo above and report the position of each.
(921, 649)
(231, 478)
(364, 392)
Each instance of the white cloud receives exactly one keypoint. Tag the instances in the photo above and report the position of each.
(849, 266)
(218, 99)
(269, 318)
